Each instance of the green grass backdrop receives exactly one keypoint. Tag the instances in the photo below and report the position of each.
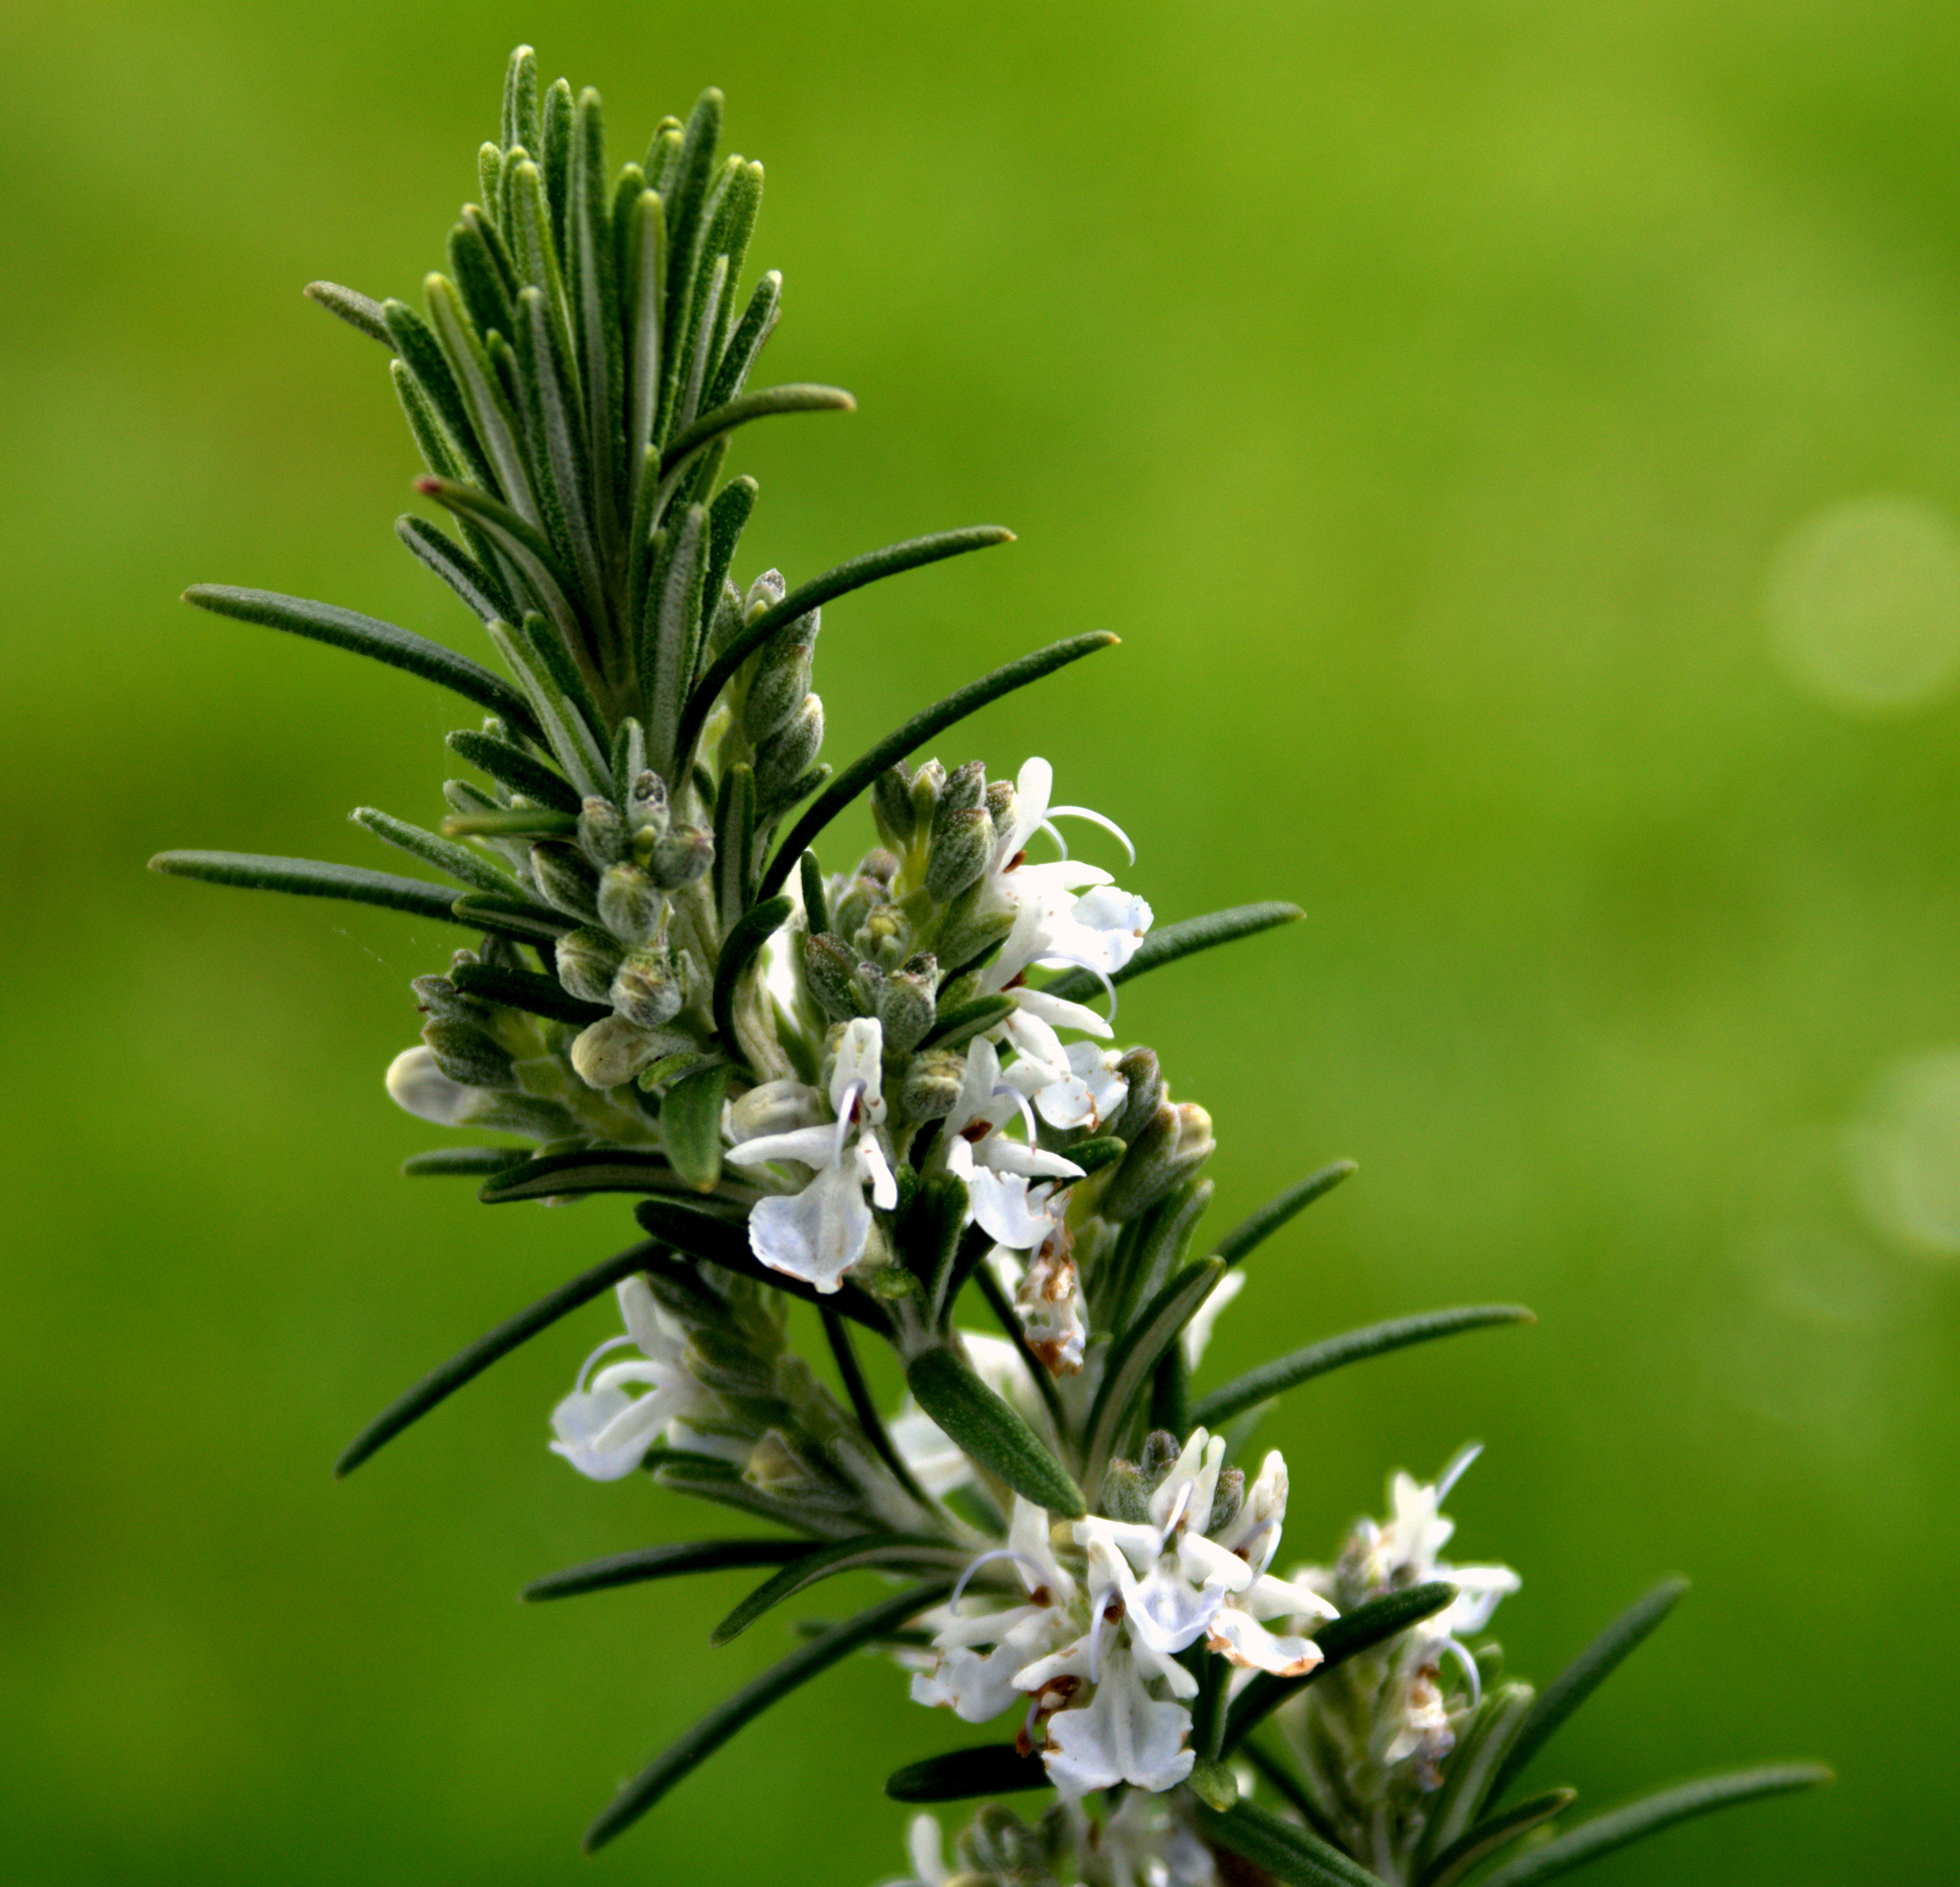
(1424, 392)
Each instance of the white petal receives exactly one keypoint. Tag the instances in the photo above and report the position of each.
(924, 1845)
(1066, 1103)
(814, 1146)
(816, 1234)
(1166, 1611)
(872, 1166)
(1034, 785)
(1197, 1333)
(859, 1063)
(1247, 1644)
(1004, 1155)
(1027, 1034)
(415, 1083)
(776, 1106)
(1058, 1013)
(1001, 1208)
(1123, 1735)
(583, 1417)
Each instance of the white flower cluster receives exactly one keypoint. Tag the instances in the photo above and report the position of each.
(1096, 1652)
(818, 1149)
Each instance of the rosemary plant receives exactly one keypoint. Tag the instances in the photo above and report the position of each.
(883, 1092)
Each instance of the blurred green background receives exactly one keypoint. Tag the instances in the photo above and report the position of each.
(1469, 415)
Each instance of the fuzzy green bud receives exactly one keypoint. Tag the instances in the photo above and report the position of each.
(439, 999)
(789, 1469)
(1000, 800)
(891, 806)
(964, 791)
(786, 755)
(646, 803)
(972, 926)
(861, 896)
(684, 854)
(465, 1053)
(1139, 1069)
(1126, 1494)
(1158, 1456)
(926, 785)
(720, 1360)
(588, 959)
(963, 843)
(781, 678)
(1226, 1502)
(602, 832)
(566, 878)
(765, 593)
(630, 904)
(613, 1051)
(906, 1009)
(1172, 1145)
(830, 968)
(885, 936)
(647, 991)
(932, 1084)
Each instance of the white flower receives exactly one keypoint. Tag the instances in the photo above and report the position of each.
(1010, 1188)
(1406, 1550)
(925, 1847)
(1090, 1094)
(979, 1686)
(1049, 1303)
(601, 1430)
(1197, 1334)
(1123, 1734)
(818, 1233)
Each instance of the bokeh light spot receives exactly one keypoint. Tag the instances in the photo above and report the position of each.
(1905, 1153)
(1863, 604)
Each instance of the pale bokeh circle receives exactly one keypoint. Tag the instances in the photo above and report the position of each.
(1863, 603)
(1905, 1153)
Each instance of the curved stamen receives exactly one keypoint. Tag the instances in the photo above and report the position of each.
(1178, 1506)
(852, 1095)
(1095, 818)
(1470, 1670)
(1098, 1606)
(610, 1344)
(999, 1552)
(1025, 1106)
(1061, 844)
(1453, 1473)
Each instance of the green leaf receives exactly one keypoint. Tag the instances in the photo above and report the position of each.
(1134, 1355)
(529, 551)
(311, 878)
(357, 310)
(1179, 940)
(520, 124)
(602, 1169)
(977, 1421)
(853, 573)
(745, 343)
(958, 1026)
(1339, 1640)
(1584, 1675)
(527, 990)
(753, 405)
(495, 425)
(368, 635)
(1092, 1156)
(560, 449)
(595, 295)
(1261, 1225)
(510, 917)
(471, 1162)
(1605, 1833)
(512, 822)
(482, 594)
(466, 866)
(698, 1744)
(960, 1775)
(815, 907)
(1213, 1783)
(686, 1228)
(513, 767)
(691, 1126)
(568, 733)
(734, 843)
(1481, 1746)
(668, 637)
(753, 929)
(857, 777)
(664, 1562)
(1480, 1843)
(898, 1551)
(645, 297)
(1296, 1856)
(470, 1361)
(426, 369)
(1316, 1359)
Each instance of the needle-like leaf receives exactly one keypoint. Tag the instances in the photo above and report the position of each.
(513, 767)
(859, 775)
(665, 1562)
(691, 1126)
(466, 867)
(463, 1162)
(1178, 940)
(1479, 1843)
(368, 635)
(1605, 1833)
(1316, 1359)
(1296, 1856)
(1134, 1355)
(1259, 1226)
(960, 1775)
(357, 310)
(991, 1430)
(1584, 1675)
(720, 1724)
(896, 1552)
(753, 929)
(312, 878)
(470, 1361)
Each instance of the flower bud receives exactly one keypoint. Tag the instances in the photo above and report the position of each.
(786, 755)
(417, 1085)
(646, 803)
(1159, 1456)
(630, 904)
(891, 806)
(1227, 1501)
(683, 855)
(926, 785)
(1126, 1495)
(467, 1056)
(964, 791)
(437, 996)
(932, 1084)
(588, 959)
(781, 678)
(998, 1845)
(861, 896)
(1139, 1069)
(963, 846)
(790, 1469)
(565, 879)
(765, 593)
(880, 866)
(1171, 1146)
(905, 1009)
(1000, 802)
(613, 1051)
(721, 1360)
(972, 926)
(885, 936)
(646, 990)
(830, 968)
(602, 832)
